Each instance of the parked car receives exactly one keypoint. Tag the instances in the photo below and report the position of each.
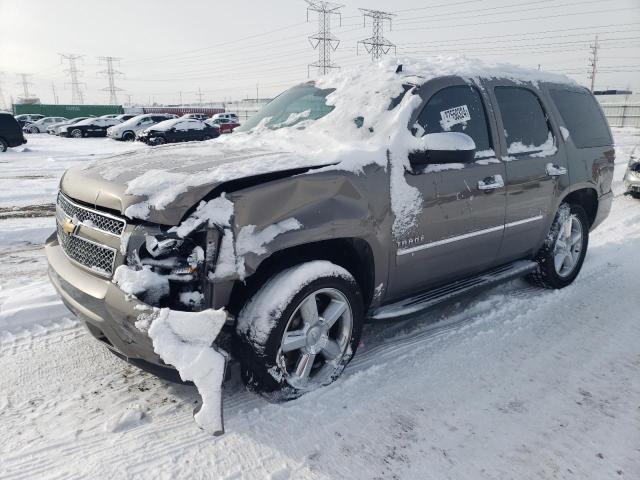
(228, 115)
(127, 130)
(178, 130)
(432, 186)
(10, 132)
(91, 127)
(225, 125)
(41, 126)
(27, 118)
(56, 127)
(109, 115)
(196, 116)
(632, 175)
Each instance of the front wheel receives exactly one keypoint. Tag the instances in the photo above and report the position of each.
(128, 136)
(76, 133)
(300, 330)
(34, 129)
(561, 257)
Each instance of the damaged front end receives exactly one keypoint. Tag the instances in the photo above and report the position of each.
(146, 293)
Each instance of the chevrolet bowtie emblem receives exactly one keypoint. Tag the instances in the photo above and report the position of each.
(68, 226)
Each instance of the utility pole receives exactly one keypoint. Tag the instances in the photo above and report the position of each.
(199, 95)
(77, 98)
(181, 98)
(376, 44)
(257, 96)
(55, 95)
(323, 40)
(129, 99)
(24, 82)
(593, 63)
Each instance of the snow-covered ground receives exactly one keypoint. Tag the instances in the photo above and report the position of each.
(515, 383)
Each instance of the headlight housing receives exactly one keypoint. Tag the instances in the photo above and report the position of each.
(181, 265)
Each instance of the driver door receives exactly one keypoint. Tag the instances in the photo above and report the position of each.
(460, 227)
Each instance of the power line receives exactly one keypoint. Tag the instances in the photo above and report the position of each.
(323, 40)
(593, 62)
(77, 97)
(111, 74)
(376, 44)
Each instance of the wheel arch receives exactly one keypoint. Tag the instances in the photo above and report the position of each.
(353, 254)
(587, 198)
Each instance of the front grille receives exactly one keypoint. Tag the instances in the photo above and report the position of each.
(91, 218)
(98, 258)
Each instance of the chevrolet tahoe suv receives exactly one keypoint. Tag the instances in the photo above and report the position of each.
(450, 184)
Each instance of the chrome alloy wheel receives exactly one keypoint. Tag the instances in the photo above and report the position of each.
(316, 339)
(568, 247)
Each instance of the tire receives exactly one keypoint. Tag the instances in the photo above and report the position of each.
(76, 133)
(3, 145)
(128, 136)
(561, 257)
(158, 141)
(207, 137)
(317, 351)
(34, 129)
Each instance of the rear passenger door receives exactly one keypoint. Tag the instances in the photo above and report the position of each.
(536, 168)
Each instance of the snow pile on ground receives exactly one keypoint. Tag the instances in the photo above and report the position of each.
(184, 340)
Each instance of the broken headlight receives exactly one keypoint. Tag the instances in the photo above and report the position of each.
(180, 265)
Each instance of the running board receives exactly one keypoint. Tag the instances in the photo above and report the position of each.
(431, 298)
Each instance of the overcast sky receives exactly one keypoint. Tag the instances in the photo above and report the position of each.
(226, 48)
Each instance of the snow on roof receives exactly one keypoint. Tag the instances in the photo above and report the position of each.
(179, 124)
(336, 138)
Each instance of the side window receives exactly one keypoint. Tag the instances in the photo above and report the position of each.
(584, 119)
(457, 109)
(525, 122)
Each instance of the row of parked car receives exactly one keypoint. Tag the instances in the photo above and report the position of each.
(153, 129)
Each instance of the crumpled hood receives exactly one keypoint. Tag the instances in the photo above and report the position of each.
(160, 184)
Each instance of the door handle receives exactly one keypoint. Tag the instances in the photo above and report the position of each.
(555, 170)
(491, 183)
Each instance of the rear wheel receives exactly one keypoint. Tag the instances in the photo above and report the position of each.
(207, 137)
(34, 129)
(76, 133)
(158, 141)
(562, 256)
(128, 136)
(300, 330)
(3, 145)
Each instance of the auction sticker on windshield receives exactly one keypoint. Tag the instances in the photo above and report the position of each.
(454, 116)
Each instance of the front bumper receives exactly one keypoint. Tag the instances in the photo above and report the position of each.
(108, 313)
(632, 181)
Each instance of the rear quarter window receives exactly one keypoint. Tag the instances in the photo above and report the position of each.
(583, 118)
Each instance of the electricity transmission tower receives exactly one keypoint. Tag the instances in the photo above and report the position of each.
(323, 41)
(376, 44)
(77, 98)
(200, 96)
(111, 74)
(24, 82)
(593, 63)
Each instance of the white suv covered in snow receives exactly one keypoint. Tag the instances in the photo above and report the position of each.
(127, 130)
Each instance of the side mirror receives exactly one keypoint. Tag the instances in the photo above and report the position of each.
(444, 147)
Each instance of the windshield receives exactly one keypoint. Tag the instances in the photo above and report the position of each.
(302, 102)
